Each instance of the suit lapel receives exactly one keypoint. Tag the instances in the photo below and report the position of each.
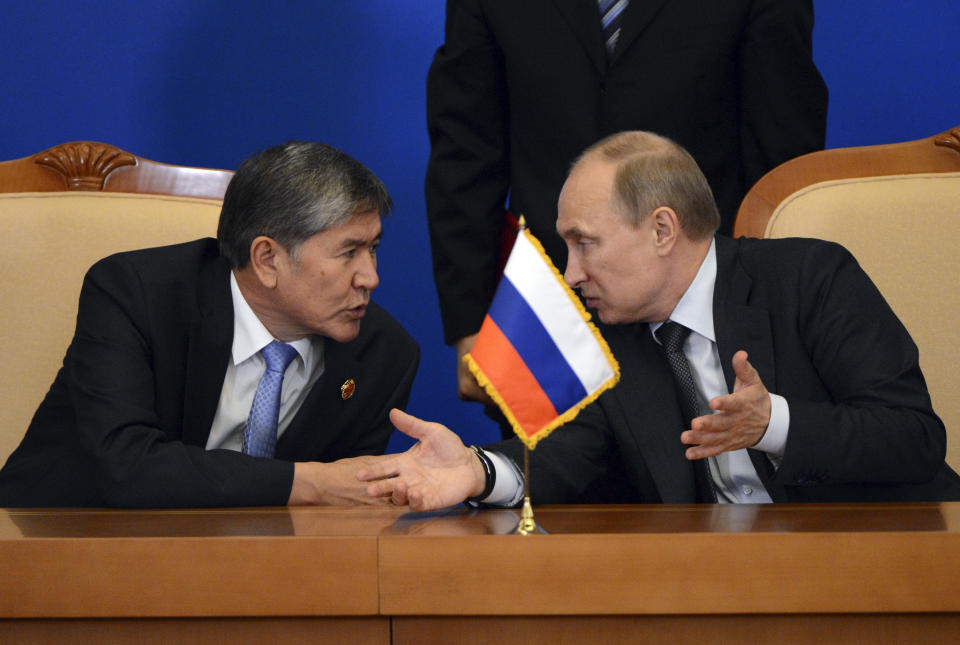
(211, 338)
(636, 17)
(653, 418)
(740, 326)
(584, 21)
(323, 416)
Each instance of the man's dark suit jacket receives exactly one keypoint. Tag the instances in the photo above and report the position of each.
(819, 334)
(520, 88)
(126, 421)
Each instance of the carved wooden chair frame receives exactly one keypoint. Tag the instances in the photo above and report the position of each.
(94, 166)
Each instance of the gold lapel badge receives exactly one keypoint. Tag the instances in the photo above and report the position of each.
(347, 389)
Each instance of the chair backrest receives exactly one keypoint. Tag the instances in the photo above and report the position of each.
(92, 166)
(896, 207)
(60, 211)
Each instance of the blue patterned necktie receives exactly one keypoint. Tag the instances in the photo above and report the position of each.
(673, 335)
(611, 15)
(260, 433)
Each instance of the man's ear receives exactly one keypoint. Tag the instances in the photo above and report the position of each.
(267, 259)
(666, 228)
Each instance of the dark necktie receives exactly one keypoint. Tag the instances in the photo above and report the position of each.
(611, 15)
(260, 433)
(672, 335)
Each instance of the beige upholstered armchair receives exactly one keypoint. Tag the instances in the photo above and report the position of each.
(897, 209)
(60, 211)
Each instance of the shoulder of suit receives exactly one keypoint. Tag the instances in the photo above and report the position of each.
(379, 326)
(173, 255)
(784, 251)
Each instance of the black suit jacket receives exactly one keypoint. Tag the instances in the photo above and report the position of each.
(819, 334)
(126, 421)
(520, 88)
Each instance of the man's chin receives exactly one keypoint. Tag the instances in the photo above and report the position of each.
(606, 317)
(343, 332)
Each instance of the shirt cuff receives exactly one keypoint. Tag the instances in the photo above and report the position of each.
(508, 490)
(774, 440)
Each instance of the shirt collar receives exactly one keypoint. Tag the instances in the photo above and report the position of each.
(250, 335)
(695, 309)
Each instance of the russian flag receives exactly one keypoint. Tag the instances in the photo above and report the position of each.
(538, 355)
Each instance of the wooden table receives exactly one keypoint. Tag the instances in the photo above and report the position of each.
(785, 573)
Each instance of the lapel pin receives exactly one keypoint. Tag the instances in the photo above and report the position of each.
(347, 389)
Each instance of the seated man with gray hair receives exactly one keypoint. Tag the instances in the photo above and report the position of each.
(248, 370)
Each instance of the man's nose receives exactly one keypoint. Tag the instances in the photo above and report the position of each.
(366, 276)
(573, 275)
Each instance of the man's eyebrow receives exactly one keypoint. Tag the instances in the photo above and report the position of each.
(574, 231)
(356, 241)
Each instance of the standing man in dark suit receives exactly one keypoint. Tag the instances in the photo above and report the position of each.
(519, 89)
(168, 395)
(752, 370)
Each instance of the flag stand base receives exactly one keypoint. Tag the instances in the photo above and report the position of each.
(527, 525)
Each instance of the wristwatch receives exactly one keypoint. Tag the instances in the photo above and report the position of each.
(489, 473)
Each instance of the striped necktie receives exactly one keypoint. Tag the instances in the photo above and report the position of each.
(611, 15)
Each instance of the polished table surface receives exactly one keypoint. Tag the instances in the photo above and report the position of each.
(389, 521)
(387, 564)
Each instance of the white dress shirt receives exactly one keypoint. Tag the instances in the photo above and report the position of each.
(733, 473)
(245, 368)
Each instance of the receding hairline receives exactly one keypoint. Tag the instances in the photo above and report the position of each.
(623, 147)
(637, 157)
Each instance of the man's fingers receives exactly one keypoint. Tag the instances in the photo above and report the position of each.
(412, 426)
(705, 443)
(380, 488)
(406, 423)
(388, 491)
(381, 470)
(420, 500)
(726, 403)
(746, 373)
(415, 501)
(702, 452)
(399, 494)
(701, 437)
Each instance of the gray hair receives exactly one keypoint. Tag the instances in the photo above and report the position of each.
(653, 171)
(292, 192)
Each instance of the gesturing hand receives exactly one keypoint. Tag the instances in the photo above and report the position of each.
(740, 419)
(438, 471)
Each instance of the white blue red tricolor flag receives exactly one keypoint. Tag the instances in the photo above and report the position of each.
(538, 355)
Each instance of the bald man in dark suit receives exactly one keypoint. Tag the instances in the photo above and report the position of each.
(753, 371)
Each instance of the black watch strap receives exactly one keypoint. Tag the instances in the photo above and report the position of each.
(489, 472)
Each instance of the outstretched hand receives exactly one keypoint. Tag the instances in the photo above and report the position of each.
(740, 420)
(438, 471)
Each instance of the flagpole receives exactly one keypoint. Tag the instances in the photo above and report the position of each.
(527, 524)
